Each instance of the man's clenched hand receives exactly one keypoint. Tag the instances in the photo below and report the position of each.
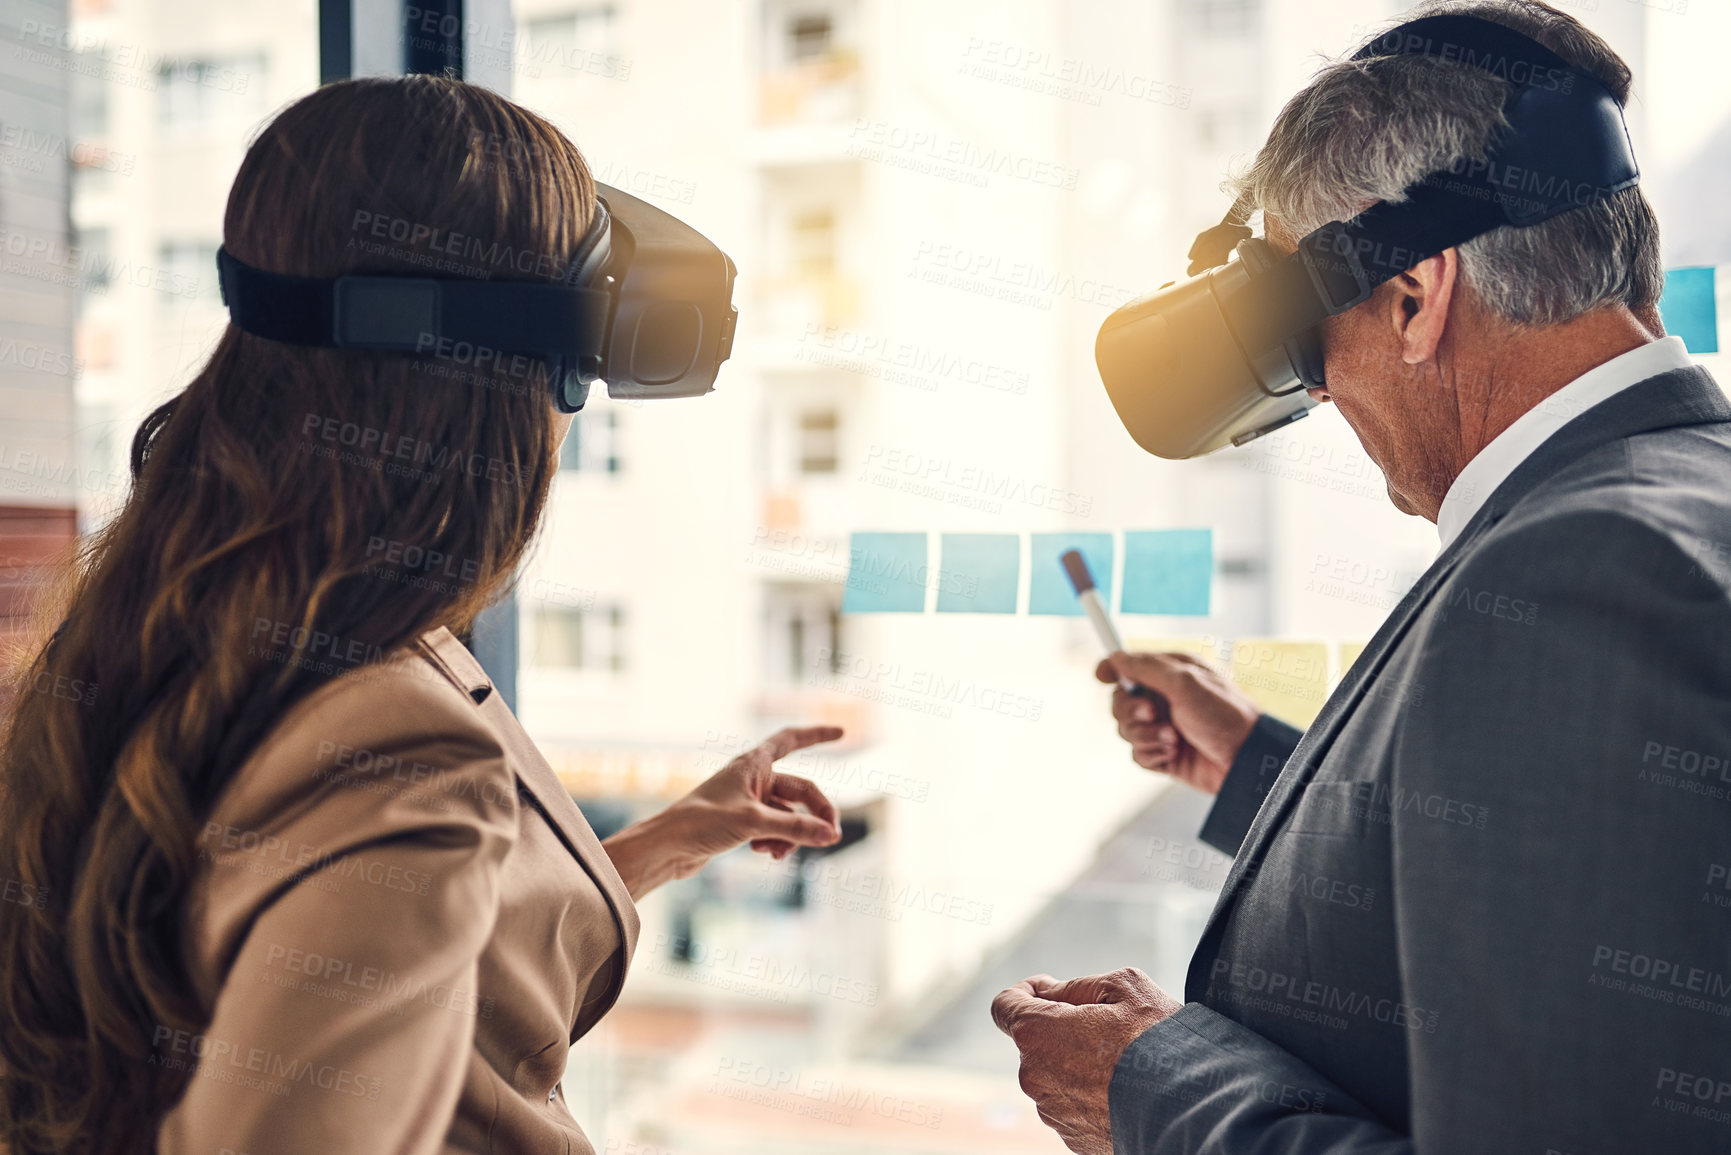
(1071, 1035)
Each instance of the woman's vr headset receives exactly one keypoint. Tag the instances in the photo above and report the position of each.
(1225, 357)
(645, 305)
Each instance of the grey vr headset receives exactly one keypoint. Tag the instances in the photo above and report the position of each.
(645, 305)
(1225, 357)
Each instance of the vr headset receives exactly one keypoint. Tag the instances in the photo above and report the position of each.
(1225, 357)
(645, 305)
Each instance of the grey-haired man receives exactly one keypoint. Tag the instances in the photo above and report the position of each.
(1529, 767)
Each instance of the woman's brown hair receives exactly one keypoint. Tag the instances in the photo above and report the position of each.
(296, 514)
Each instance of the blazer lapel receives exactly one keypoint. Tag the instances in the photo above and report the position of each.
(1305, 758)
(1681, 397)
(547, 794)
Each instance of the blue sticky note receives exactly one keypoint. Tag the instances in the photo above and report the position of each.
(886, 574)
(1049, 589)
(1168, 571)
(1690, 309)
(979, 573)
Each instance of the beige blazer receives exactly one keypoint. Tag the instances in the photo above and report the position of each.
(403, 923)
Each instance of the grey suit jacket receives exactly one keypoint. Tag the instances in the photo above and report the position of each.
(1485, 905)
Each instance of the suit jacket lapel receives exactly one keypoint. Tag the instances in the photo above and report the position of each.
(546, 793)
(1681, 397)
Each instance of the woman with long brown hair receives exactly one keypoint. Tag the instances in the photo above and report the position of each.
(300, 882)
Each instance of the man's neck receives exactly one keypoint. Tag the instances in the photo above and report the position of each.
(1521, 367)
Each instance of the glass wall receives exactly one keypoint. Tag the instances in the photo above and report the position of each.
(932, 208)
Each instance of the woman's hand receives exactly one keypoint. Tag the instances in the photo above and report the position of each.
(746, 800)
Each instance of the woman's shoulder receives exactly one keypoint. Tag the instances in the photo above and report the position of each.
(398, 742)
(355, 785)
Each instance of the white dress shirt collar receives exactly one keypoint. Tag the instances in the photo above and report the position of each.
(1493, 464)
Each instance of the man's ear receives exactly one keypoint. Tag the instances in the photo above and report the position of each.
(1419, 308)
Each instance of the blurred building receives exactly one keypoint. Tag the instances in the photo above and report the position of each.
(40, 149)
(932, 208)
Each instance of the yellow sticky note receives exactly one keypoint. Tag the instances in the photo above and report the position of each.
(1201, 646)
(1287, 679)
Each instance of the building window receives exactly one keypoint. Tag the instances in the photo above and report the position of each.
(570, 36)
(810, 61)
(592, 445)
(89, 97)
(569, 638)
(1225, 128)
(200, 91)
(186, 269)
(802, 632)
(95, 262)
(819, 441)
(1222, 18)
(809, 36)
(813, 243)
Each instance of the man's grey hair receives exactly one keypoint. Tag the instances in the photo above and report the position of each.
(1363, 131)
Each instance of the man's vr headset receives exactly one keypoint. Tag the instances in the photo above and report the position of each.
(645, 305)
(1226, 356)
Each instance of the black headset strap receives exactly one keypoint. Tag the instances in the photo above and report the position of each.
(1472, 41)
(1337, 266)
(424, 314)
